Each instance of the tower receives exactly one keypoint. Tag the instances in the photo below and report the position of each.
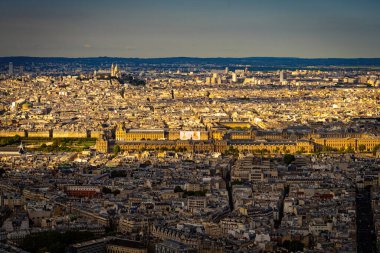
(120, 133)
(112, 70)
(116, 71)
(282, 76)
(234, 77)
(102, 144)
(10, 69)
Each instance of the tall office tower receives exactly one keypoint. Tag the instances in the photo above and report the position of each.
(10, 69)
(214, 78)
(234, 77)
(226, 70)
(282, 76)
(21, 70)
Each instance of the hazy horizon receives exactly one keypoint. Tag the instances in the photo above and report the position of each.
(196, 57)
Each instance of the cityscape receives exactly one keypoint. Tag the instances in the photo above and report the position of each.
(206, 151)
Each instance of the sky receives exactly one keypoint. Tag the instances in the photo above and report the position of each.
(194, 28)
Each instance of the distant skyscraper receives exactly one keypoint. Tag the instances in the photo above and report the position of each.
(282, 76)
(226, 70)
(10, 69)
(234, 77)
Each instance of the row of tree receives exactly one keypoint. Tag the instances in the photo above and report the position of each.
(107, 190)
(5, 141)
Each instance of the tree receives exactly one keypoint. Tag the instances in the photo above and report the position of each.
(178, 189)
(374, 150)
(116, 149)
(106, 190)
(362, 147)
(118, 173)
(2, 172)
(4, 141)
(293, 246)
(288, 159)
(350, 149)
(232, 151)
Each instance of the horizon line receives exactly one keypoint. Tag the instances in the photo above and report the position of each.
(194, 57)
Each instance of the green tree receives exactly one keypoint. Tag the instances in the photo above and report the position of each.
(232, 151)
(375, 148)
(2, 172)
(293, 246)
(288, 159)
(106, 190)
(362, 147)
(116, 149)
(350, 149)
(178, 189)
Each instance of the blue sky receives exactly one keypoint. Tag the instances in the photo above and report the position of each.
(202, 28)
